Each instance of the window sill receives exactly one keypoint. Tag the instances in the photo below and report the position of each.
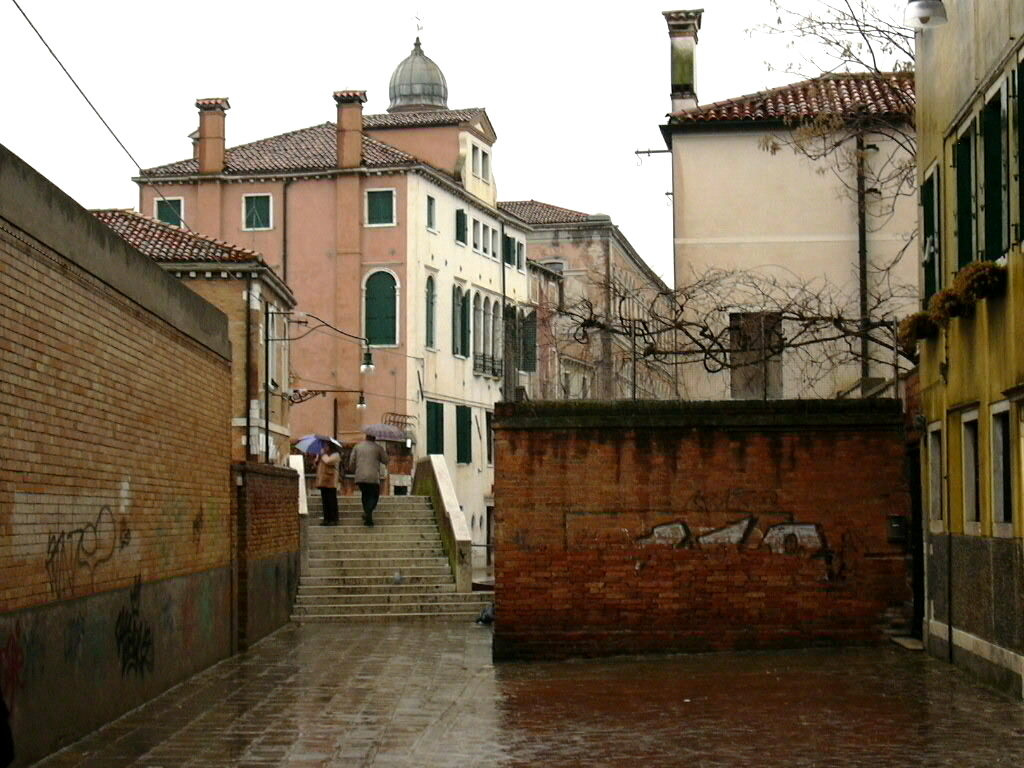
(383, 346)
(1002, 530)
(936, 526)
(257, 229)
(972, 528)
(377, 226)
(435, 232)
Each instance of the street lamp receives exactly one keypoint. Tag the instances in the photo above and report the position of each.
(925, 14)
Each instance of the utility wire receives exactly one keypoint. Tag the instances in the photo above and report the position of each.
(91, 105)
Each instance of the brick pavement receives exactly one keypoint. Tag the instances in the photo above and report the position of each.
(427, 695)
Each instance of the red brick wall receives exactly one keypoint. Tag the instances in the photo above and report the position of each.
(627, 527)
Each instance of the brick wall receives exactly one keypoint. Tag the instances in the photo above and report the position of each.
(268, 541)
(115, 495)
(635, 527)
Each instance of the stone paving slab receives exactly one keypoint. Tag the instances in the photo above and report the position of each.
(404, 695)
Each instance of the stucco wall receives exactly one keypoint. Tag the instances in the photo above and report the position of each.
(664, 526)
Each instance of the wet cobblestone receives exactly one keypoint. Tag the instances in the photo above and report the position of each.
(427, 695)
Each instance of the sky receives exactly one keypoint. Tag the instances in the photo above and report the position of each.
(572, 89)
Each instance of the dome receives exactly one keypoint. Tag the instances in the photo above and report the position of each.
(417, 84)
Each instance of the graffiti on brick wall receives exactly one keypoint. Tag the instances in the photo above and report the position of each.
(12, 666)
(198, 521)
(745, 535)
(74, 635)
(83, 548)
(134, 636)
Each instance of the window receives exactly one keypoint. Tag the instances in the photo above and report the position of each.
(509, 252)
(463, 434)
(478, 329)
(520, 255)
(476, 235)
(431, 213)
(380, 207)
(170, 210)
(431, 303)
(962, 158)
(969, 460)
(460, 226)
(435, 427)
(528, 342)
(935, 473)
(476, 160)
(489, 431)
(460, 322)
(1002, 485)
(464, 324)
(930, 226)
(486, 239)
(995, 189)
(1020, 150)
(381, 304)
(256, 212)
(494, 243)
(755, 359)
(485, 166)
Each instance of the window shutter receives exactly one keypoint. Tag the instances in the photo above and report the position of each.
(169, 212)
(489, 428)
(460, 225)
(456, 319)
(928, 227)
(379, 207)
(435, 427)
(464, 326)
(430, 311)
(257, 212)
(964, 201)
(992, 157)
(463, 434)
(380, 309)
(530, 342)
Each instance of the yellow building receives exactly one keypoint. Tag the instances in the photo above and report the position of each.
(970, 124)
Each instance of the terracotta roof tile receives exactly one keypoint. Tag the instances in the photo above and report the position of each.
(167, 244)
(432, 117)
(308, 149)
(840, 94)
(533, 212)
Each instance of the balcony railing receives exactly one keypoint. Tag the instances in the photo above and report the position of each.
(487, 365)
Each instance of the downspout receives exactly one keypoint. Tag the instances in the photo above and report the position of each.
(266, 379)
(284, 230)
(248, 368)
(505, 373)
(862, 264)
(607, 344)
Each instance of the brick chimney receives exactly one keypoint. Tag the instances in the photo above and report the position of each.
(210, 142)
(350, 127)
(682, 31)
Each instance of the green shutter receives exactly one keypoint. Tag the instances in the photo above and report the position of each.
(460, 226)
(380, 309)
(379, 207)
(430, 311)
(435, 427)
(489, 427)
(456, 317)
(992, 154)
(964, 202)
(169, 212)
(431, 213)
(463, 434)
(930, 243)
(465, 312)
(529, 336)
(257, 212)
(1020, 150)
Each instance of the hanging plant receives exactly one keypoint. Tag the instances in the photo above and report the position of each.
(914, 328)
(947, 304)
(980, 280)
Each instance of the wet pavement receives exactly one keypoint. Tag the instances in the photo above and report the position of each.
(427, 695)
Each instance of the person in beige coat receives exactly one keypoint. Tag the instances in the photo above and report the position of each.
(327, 464)
(365, 461)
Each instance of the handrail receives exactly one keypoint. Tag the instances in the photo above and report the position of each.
(432, 479)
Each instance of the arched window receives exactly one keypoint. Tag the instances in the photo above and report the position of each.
(381, 309)
(487, 340)
(496, 348)
(430, 311)
(478, 326)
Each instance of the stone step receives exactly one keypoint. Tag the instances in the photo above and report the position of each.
(377, 579)
(329, 532)
(397, 598)
(342, 556)
(349, 539)
(386, 571)
(390, 587)
(459, 616)
(473, 608)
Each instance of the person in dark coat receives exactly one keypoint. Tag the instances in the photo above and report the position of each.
(366, 461)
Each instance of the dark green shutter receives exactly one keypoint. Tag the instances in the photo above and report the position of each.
(460, 225)
(992, 154)
(1020, 150)
(257, 212)
(431, 213)
(380, 309)
(464, 327)
(456, 316)
(930, 243)
(489, 428)
(435, 427)
(430, 311)
(964, 201)
(379, 207)
(169, 212)
(463, 434)
(529, 336)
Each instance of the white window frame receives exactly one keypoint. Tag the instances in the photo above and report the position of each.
(432, 214)
(476, 161)
(520, 255)
(495, 243)
(366, 207)
(181, 214)
(475, 236)
(1000, 528)
(935, 496)
(270, 209)
(485, 239)
(970, 472)
(485, 166)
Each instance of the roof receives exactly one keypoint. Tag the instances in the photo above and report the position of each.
(308, 149)
(844, 94)
(315, 148)
(534, 212)
(166, 244)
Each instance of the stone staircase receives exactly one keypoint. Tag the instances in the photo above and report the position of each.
(395, 570)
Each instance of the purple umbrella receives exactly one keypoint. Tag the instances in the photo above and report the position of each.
(386, 432)
(314, 444)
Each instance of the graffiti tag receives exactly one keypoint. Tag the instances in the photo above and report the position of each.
(134, 636)
(85, 547)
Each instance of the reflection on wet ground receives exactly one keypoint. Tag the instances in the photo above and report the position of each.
(428, 695)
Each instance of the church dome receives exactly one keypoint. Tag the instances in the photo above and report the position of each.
(417, 84)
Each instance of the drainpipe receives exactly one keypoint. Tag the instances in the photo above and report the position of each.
(505, 373)
(284, 230)
(862, 264)
(266, 379)
(248, 367)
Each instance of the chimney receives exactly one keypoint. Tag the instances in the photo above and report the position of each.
(210, 149)
(350, 127)
(682, 31)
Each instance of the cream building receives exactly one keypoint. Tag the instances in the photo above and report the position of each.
(386, 229)
(745, 200)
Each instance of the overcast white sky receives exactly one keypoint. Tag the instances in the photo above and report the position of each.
(572, 88)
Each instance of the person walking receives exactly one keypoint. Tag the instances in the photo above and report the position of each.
(365, 461)
(327, 464)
